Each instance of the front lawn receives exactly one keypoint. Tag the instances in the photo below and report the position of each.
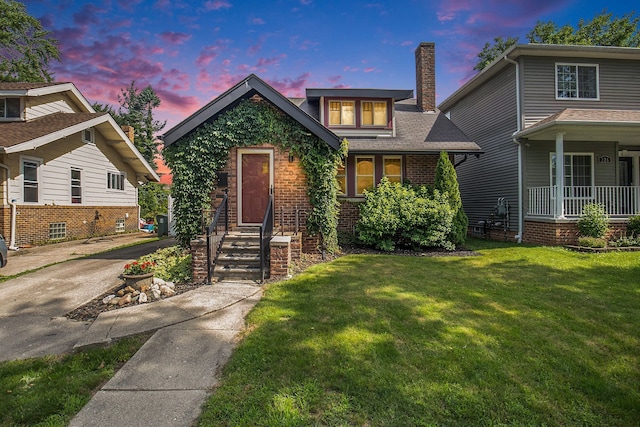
(517, 336)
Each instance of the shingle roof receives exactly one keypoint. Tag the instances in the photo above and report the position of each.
(26, 85)
(13, 133)
(572, 115)
(418, 132)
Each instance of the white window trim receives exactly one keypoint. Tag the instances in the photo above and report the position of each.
(577, 98)
(124, 181)
(355, 172)
(38, 178)
(71, 186)
(355, 109)
(373, 101)
(593, 170)
(13, 119)
(92, 139)
(401, 166)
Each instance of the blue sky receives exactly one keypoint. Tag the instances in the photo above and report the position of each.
(191, 51)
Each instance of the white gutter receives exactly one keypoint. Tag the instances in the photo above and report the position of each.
(520, 178)
(12, 244)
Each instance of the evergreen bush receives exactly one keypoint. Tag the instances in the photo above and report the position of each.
(594, 221)
(633, 227)
(446, 181)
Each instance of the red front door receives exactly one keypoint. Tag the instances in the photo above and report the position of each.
(255, 186)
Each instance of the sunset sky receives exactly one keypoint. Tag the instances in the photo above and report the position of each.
(191, 51)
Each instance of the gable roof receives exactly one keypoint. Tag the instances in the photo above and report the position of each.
(40, 89)
(535, 49)
(20, 136)
(417, 132)
(245, 89)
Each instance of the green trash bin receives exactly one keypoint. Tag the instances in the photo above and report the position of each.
(162, 225)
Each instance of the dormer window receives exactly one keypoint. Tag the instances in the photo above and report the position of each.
(342, 113)
(88, 136)
(374, 113)
(10, 108)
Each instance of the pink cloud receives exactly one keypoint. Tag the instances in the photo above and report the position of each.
(217, 4)
(128, 5)
(334, 79)
(88, 15)
(174, 37)
(406, 43)
(211, 52)
(290, 87)
(306, 2)
(257, 21)
(371, 70)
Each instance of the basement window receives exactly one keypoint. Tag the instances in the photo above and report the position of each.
(57, 230)
(120, 225)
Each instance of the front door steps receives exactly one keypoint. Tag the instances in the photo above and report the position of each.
(239, 257)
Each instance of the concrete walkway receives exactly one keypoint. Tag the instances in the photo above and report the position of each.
(166, 382)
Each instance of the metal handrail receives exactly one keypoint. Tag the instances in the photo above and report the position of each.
(266, 232)
(214, 237)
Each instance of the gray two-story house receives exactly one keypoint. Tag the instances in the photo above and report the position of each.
(539, 103)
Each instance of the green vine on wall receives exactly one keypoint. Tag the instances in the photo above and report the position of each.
(195, 158)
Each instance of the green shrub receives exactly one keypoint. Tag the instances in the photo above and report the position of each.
(592, 242)
(625, 242)
(172, 264)
(594, 221)
(446, 181)
(633, 227)
(395, 214)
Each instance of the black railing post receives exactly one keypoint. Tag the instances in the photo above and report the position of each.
(266, 231)
(213, 247)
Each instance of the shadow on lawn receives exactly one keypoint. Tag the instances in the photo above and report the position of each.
(519, 335)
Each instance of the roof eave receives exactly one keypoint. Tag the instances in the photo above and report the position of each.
(239, 91)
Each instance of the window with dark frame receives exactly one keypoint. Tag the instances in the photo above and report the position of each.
(10, 108)
(374, 113)
(30, 181)
(76, 186)
(364, 174)
(342, 113)
(115, 181)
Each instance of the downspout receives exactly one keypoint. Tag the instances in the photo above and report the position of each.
(12, 243)
(520, 178)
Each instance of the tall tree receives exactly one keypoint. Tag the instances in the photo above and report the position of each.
(491, 51)
(602, 30)
(25, 47)
(136, 109)
(446, 181)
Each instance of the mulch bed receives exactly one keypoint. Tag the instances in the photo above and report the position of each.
(91, 310)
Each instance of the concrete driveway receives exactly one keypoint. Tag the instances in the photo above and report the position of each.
(32, 306)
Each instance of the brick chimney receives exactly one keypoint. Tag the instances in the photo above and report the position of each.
(128, 130)
(426, 76)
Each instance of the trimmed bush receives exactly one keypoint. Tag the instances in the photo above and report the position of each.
(633, 227)
(625, 242)
(395, 214)
(594, 221)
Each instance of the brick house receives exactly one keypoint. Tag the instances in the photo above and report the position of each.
(390, 134)
(67, 171)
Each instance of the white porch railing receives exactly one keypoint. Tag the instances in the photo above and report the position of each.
(618, 201)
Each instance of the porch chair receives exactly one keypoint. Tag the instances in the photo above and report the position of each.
(498, 218)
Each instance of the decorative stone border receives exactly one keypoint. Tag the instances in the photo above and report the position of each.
(598, 250)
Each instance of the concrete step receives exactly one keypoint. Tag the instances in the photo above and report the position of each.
(246, 273)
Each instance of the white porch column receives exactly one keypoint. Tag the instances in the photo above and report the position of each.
(559, 213)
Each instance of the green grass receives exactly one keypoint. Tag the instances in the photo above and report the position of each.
(517, 336)
(49, 391)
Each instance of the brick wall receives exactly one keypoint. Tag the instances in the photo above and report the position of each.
(421, 169)
(290, 194)
(199, 272)
(32, 222)
(561, 233)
